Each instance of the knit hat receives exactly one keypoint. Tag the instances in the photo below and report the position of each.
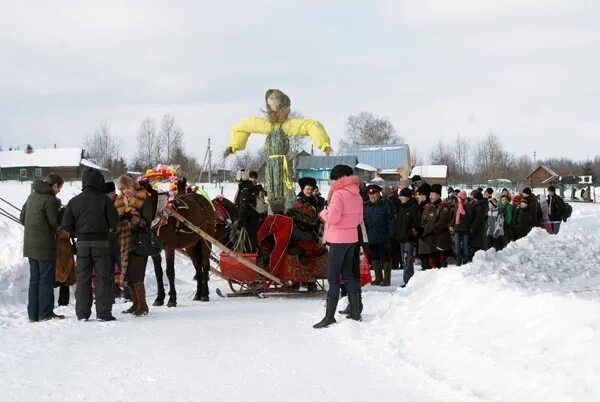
(526, 190)
(373, 189)
(494, 202)
(424, 189)
(462, 195)
(340, 171)
(415, 178)
(489, 190)
(405, 192)
(436, 188)
(307, 181)
(109, 187)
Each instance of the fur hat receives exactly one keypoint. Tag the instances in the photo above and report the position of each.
(373, 189)
(424, 189)
(406, 192)
(242, 175)
(340, 171)
(307, 181)
(436, 188)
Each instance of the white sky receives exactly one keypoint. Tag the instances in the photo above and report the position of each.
(526, 69)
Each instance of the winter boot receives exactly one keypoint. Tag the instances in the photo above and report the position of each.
(329, 314)
(387, 274)
(63, 295)
(140, 292)
(355, 305)
(345, 311)
(134, 299)
(377, 267)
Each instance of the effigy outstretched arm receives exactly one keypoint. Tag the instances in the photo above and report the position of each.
(241, 132)
(311, 128)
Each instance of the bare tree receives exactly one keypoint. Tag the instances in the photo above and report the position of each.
(461, 155)
(442, 155)
(491, 161)
(101, 146)
(172, 137)
(149, 145)
(364, 128)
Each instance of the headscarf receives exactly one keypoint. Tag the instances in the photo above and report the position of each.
(460, 209)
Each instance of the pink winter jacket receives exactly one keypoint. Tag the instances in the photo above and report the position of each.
(345, 211)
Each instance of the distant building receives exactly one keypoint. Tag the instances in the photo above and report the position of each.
(432, 174)
(542, 176)
(30, 164)
(319, 167)
(392, 162)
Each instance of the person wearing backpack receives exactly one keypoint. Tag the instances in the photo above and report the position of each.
(557, 209)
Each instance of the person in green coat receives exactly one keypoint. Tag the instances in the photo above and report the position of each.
(39, 216)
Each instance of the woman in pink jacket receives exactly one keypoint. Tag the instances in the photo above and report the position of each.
(342, 217)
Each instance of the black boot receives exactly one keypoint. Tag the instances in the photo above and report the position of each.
(63, 295)
(345, 311)
(387, 274)
(355, 305)
(378, 268)
(329, 314)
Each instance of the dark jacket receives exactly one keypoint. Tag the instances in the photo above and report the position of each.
(379, 219)
(534, 210)
(523, 220)
(465, 220)
(477, 225)
(556, 205)
(39, 215)
(407, 221)
(91, 214)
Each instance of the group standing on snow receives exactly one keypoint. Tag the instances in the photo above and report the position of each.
(414, 221)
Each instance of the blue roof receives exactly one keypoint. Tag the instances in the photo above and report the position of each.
(325, 162)
(380, 156)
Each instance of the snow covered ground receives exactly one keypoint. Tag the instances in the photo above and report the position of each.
(518, 325)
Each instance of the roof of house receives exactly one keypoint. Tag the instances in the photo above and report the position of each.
(551, 172)
(92, 165)
(380, 156)
(430, 171)
(324, 162)
(49, 157)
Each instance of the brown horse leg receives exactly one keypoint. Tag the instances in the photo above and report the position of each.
(170, 255)
(158, 272)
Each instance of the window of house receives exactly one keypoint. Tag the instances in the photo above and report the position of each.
(23, 173)
(38, 172)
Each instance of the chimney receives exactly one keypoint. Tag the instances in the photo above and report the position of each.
(29, 149)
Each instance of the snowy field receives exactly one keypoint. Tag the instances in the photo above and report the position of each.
(519, 325)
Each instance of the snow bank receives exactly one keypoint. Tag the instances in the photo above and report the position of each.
(14, 269)
(520, 324)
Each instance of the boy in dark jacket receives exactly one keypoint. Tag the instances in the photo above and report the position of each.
(90, 217)
(479, 210)
(39, 216)
(407, 227)
(556, 209)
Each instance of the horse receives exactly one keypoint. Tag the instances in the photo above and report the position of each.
(226, 214)
(174, 235)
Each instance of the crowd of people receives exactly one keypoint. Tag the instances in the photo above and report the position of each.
(412, 221)
(103, 224)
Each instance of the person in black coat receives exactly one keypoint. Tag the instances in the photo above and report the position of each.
(379, 217)
(407, 228)
(90, 217)
(524, 218)
(478, 221)
(245, 202)
(556, 209)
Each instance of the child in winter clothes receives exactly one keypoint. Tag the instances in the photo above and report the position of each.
(492, 217)
(506, 211)
(461, 228)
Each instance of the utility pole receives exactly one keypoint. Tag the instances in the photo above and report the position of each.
(206, 164)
